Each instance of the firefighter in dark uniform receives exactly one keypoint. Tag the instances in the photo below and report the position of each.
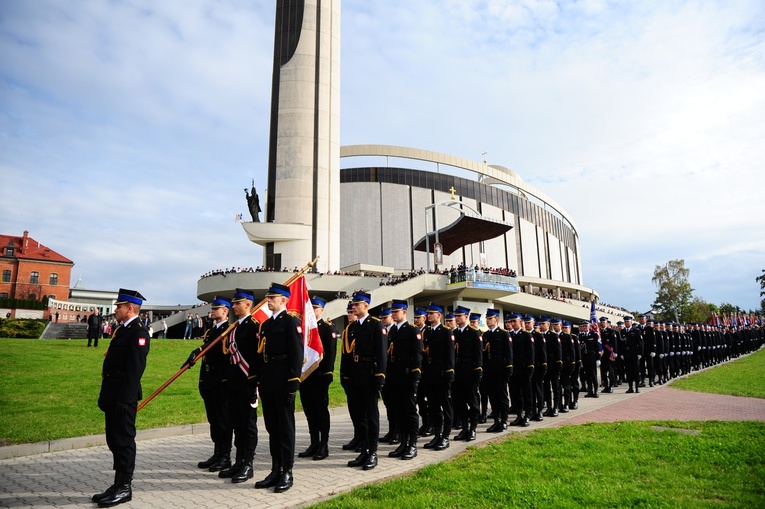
(498, 368)
(241, 346)
(568, 355)
(212, 388)
(649, 350)
(392, 436)
(591, 352)
(278, 366)
(438, 375)
(403, 378)
(359, 426)
(124, 363)
(554, 365)
(632, 351)
(468, 371)
(523, 371)
(362, 369)
(540, 370)
(426, 428)
(314, 390)
(608, 340)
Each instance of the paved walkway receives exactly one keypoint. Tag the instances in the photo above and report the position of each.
(167, 476)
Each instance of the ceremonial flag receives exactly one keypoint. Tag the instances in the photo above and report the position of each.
(594, 318)
(299, 304)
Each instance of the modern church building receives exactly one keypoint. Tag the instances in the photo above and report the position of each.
(401, 223)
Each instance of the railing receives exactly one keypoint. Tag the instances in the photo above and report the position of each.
(482, 277)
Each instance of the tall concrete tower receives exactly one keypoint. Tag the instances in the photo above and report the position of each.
(302, 213)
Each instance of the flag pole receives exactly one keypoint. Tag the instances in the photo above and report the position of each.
(214, 342)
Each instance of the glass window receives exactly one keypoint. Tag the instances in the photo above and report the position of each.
(32, 296)
(8, 251)
(4, 295)
(6, 276)
(53, 279)
(34, 277)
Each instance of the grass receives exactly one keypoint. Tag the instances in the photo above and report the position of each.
(741, 377)
(630, 464)
(49, 389)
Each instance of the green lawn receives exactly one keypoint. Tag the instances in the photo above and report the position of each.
(630, 464)
(742, 377)
(49, 389)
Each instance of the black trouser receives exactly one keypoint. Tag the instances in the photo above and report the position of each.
(387, 397)
(631, 369)
(538, 387)
(215, 397)
(362, 401)
(279, 416)
(552, 385)
(521, 387)
(93, 335)
(314, 395)
(590, 374)
(120, 435)
(565, 380)
(404, 405)
(607, 372)
(496, 385)
(465, 396)
(440, 408)
(244, 420)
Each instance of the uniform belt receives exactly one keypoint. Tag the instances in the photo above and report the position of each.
(267, 358)
(395, 359)
(356, 358)
(117, 373)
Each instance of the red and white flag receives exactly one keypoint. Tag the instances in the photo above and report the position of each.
(299, 303)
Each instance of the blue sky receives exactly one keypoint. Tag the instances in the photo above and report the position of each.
(128, 129)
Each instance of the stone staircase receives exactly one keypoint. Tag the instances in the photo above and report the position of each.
(65, 331)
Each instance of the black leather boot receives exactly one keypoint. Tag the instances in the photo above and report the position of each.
(123, 492)
(465, 431)
(246, 471)
(285, 481)
(351, 446)
(322, 452)
(308, 453)
(401, 448)
(360, 459)
(224, 460)
(108, 492)
(411, 447)
(272, 479)
(211, 460)
(231, 471)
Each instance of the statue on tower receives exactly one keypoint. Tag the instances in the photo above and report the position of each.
(253, 202)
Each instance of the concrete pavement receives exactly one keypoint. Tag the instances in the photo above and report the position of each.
(167, 475)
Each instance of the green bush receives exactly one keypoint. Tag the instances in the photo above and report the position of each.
(21, 328)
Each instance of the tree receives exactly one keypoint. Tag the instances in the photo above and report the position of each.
(699, 311)
(761, 279)
(674, 292)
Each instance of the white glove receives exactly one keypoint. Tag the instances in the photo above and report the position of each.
(622, 357)
(671, 354)
(698, 348)
(661, 356)
(597, 363)
(640, 357)
(653, 354)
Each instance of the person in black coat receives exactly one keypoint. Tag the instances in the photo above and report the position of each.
(241, 346)
(438, 375)
(631, 351)
(497, 368)
(540, 369)
(314, 390)
(124, 364)
(94, 328)
(403, 378)
(468, 371)
(523, 371)
(567, 375)
(554, 364)
(362, 372)
(213, 388)
(591, 351)
(278, 367)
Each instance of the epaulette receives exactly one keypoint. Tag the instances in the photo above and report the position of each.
(294, 314)
(474, 328)
(374, 318)
(328, 322)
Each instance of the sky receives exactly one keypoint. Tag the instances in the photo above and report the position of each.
(129, 129)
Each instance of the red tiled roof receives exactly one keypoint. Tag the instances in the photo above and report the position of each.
(32, 251)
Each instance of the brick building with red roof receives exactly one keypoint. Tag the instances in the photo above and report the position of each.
(31, 270)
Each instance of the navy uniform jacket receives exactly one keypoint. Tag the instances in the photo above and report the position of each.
(246, 336)
(632, 343)
(649, 339)
(124, 364)
(540, 349)
(404, 353)
(468, 350)
(497, 351)
(438, 359)
(568, 348)
(213, 368)
(523, 351)
(364, 354)
(279, 359)
(591, 345)
(554, 348)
